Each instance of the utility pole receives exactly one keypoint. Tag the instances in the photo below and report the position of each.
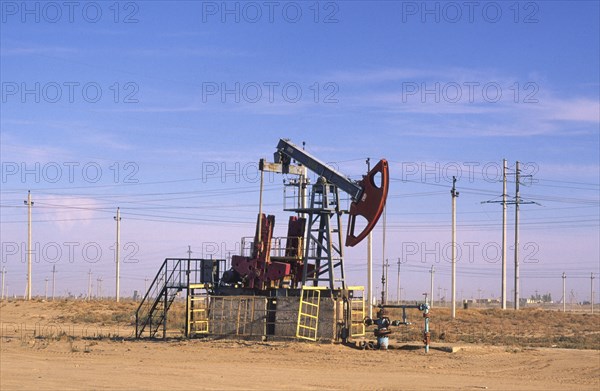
(370, 263)
(46, 289)
(370, 273)
(387, 280)
(89, 295)
(3, 273)
(53, 280)
(564, 278)
(189, 264)
(29, 204)
(384, 284)
(504, 202)
(118, 220)
(432, 271)
(260, 205)
(98, 288)
(517, 172)
(398, 289)
(303, 183)
(518, 201)
(592, 291)
(454, 194)
(504, 195)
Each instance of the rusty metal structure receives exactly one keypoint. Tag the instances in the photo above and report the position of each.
(313, 252)
(284, 286)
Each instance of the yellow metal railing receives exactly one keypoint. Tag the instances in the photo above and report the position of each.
(357, 311)
(308, 313)
(197, 310)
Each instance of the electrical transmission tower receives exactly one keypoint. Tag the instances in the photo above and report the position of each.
(516, 201)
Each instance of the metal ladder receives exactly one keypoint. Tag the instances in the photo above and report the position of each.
(197, 307)
(308, 313)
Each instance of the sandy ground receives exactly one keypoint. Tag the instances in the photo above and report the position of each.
(65, 363)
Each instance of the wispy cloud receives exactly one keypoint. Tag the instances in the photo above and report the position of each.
(576, 109)
(155, 109)
(68, 212)
(377, 75)
(13, 149)
(36, 50)
(455, 102)
(184, 34)
(188, 51)
(391, 75)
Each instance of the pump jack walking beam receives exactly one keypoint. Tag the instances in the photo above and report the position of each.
(368, 196)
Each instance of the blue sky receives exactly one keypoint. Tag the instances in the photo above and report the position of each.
(164, 108)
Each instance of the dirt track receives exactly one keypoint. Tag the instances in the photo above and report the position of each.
(76, 363)
(293, 366)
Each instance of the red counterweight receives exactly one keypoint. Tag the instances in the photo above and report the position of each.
(371, 204)
(261, 270)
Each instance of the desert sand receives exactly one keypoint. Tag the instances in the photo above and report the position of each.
(32, 360)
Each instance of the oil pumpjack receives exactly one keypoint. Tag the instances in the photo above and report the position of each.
(279, 282)
(313, 252)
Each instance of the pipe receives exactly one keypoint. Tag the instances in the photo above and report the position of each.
(426, 329)
(425, 307)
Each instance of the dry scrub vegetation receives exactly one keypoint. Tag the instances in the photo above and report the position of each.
(523, 328)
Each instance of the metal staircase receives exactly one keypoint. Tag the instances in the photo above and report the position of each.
(173, 276)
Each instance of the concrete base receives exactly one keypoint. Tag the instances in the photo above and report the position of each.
(258, 316)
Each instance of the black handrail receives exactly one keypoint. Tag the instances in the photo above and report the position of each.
(161, 290)
(171, 275)
(145, 302)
